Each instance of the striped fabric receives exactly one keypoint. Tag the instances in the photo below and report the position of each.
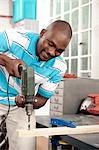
(22, 45)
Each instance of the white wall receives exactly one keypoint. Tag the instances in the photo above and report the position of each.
(6, 7)
(43, 13)
(95, 39)
(5, 14)
(45, 110)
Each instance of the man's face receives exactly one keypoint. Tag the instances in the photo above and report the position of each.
(51, 44)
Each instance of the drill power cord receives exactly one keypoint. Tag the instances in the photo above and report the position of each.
(6, 115)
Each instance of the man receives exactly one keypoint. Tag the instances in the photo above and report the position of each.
(43, 54)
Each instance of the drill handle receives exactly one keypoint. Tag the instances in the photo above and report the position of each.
(21, 68)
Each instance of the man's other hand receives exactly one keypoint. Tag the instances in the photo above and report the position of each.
(20, 101)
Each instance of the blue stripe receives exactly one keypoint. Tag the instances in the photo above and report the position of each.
(13, 90)
(3, 42)
(43, 71)
(33, 39)
(56, 79)
(5, 102)
(4, 84)
(61, 59)
(3, 81)
(49, 63)
(17, 50)
(21, 53)
(4, 94)
(45, 93)
(18, 81)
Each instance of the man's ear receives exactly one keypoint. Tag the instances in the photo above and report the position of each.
(42, 32)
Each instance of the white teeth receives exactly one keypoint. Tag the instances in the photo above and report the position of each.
(45, 55)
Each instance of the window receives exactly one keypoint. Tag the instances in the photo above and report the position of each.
(78, 14)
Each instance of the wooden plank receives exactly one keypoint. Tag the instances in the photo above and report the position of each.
(59, 131)
(42, 143)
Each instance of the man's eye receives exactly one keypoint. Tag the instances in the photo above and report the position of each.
(50, 44)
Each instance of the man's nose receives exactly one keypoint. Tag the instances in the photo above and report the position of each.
(51, 51)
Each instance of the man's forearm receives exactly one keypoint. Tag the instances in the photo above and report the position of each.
(39, 101)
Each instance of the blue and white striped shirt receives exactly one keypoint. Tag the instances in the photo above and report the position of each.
(22, 45)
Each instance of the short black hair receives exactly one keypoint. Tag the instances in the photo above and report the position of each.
(65, 27)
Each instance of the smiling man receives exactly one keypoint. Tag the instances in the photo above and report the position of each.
(53, 40)
(41, 52)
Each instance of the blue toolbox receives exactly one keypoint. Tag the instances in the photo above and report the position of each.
(61, 123)
(58, 122)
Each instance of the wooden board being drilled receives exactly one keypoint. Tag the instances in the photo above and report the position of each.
(59, 131)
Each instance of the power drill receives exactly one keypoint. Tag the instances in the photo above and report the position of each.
(28, 88)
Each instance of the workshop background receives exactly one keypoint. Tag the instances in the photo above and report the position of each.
(82, 55)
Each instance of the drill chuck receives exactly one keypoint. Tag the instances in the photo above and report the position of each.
(29, 109)
(29, 105)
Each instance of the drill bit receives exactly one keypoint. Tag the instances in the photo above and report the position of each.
(29, 122)
(29, 109)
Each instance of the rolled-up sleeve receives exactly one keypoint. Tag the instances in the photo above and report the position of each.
(47, 89)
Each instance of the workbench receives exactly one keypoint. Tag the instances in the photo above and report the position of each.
(83, 141)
